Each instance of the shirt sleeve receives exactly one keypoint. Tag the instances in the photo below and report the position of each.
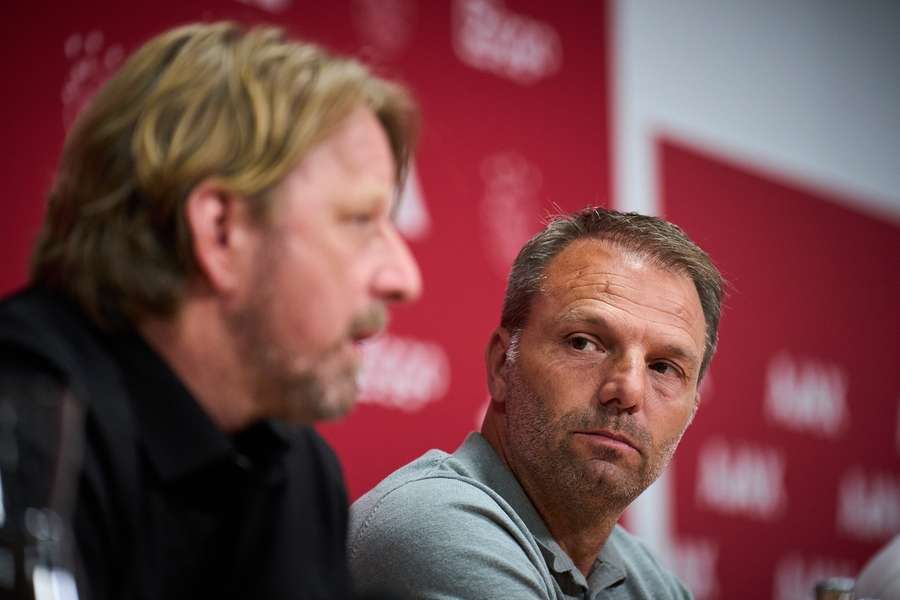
(443, 538)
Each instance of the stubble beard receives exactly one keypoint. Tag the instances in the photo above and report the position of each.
(324, 389)
(281, 388)
(542, 446)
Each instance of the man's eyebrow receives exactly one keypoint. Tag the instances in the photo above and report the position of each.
(583, 316)
(677, 351)
(373, 194)
(393, 196)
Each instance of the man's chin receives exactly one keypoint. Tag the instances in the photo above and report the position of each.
(619, 485)
(335, 386)
(332, 399)
(338, 405)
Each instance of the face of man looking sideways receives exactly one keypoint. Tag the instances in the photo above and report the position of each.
(326, 262)
(601, 382)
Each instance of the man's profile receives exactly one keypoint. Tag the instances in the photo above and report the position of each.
(609, 322)
(218, 241)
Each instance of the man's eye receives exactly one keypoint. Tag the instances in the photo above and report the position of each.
(361, 218)
(581, 343)
(665, 368)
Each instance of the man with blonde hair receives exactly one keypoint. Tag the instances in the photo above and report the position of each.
(218, 241)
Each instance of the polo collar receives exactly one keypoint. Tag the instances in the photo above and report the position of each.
(178, 435)
(478, 453)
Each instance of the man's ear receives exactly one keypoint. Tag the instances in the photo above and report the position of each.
(221, 230)
(495, 364)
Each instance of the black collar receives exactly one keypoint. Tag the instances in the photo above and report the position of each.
(179, 436)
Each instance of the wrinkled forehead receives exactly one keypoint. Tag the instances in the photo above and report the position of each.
(600, 259)
(594, 270)
(592, 252)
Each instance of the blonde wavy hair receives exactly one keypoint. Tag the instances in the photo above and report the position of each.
(242, 105)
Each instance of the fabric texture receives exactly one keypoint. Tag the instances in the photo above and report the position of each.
(459, 526)
(166, 505)
(880, 578)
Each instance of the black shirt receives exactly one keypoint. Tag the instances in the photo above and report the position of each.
(167, 505)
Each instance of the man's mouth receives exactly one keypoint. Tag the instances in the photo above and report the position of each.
(608, 437)
(368, 324)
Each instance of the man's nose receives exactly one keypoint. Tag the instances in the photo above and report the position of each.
(623, 382)
(397, 278)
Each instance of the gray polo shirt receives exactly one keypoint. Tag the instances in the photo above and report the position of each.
(460, 526)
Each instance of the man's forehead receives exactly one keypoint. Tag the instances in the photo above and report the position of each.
(592, 269)
(362, 137)
(603, 259)
(355, 159)
(583, 257)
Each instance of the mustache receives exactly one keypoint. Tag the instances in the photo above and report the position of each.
(369, 322)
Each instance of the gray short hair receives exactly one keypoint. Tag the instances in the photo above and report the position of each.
(662, 242)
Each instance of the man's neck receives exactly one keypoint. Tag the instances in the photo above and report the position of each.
(197, 347)
(582, 539)
(580, 528)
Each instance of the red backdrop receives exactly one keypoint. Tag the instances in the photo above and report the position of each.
(514, 104)
(792, 467)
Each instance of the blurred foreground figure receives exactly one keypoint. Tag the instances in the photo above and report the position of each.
(217, 242)
(609, 323)
(880, 577)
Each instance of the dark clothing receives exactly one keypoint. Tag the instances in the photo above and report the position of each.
(168, 506)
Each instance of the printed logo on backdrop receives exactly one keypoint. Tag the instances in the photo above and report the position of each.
(868, 505)
(510, 207)
(271, 6)
(807, 395)
(412, 218)
(796, 576)
(741, 479)
(91, 62)
(488, 37)
(386, 26)
(694, 561)
(403, 373)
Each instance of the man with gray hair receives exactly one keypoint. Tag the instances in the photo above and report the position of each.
(218, 241)
(609, 323)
